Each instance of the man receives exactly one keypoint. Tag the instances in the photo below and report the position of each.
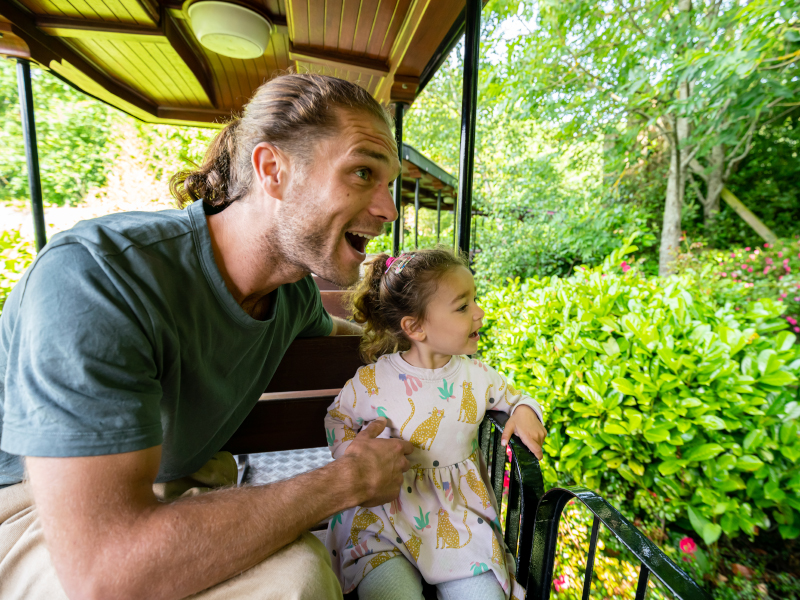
(137, 343)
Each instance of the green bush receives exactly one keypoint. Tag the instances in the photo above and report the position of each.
(73, 133)
(656, 396)
(741, 274)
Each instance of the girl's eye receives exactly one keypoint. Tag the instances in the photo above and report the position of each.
(462, 308)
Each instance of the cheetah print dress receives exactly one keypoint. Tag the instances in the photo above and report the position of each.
(446, 520)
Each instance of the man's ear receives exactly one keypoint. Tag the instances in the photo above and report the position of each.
(413, 329)
(271, 167)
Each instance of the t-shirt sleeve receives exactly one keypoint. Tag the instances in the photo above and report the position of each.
(82, 378)
(318, 322)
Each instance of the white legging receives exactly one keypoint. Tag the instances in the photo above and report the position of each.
(398, 579)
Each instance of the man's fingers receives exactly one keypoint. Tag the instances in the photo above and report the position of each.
(374, 429)
(408, 447)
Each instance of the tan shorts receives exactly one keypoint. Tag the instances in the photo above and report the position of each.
(300, 570)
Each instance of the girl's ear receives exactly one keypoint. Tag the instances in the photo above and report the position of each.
(412, 329)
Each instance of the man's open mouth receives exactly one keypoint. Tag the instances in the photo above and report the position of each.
(358, 240)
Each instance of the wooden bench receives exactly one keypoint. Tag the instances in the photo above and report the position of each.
(533, 514)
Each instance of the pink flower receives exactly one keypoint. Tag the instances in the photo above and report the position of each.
(780, 277)
(733, 254)
(792, 320)
(780, 254)
(687, 545)
(766, 270)
(560, 583)
(769, 261)
(750, 269)
(797, 298)
(766, 245)
(723, 274)
(797, 329)
(625, 267)
(734, 275)
(747, 249)
(744, 267)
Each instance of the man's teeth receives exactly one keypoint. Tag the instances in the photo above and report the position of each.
(366, 236)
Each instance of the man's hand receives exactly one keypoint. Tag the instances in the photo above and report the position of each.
(526, 424)
(378, 465)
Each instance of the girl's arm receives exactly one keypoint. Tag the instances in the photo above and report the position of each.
(525, 414)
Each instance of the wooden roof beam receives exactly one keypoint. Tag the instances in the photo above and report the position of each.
(66, 27)
(191, 54)
(338, 60)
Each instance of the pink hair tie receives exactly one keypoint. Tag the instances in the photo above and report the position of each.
(389, 261)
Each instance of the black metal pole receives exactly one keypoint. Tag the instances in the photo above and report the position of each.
(438, 215)
(397, 227)
(402, 227)
(416, 214)
(469, 105)
(31, 151)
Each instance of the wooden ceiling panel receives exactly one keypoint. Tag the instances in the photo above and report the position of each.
(141, 55)
(154, 68)
(347, 26)
(297, 15)
(115, 11)
(427, 39)
(381, 45)
(333, 19)
(367, 17)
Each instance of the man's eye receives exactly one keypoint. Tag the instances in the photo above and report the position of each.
(363, 174)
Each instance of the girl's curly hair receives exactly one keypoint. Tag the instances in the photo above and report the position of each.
(381, 299)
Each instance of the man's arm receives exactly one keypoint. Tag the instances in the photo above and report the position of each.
(109, 537)
(342, 327)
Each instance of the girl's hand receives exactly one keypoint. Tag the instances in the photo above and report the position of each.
(526, 424)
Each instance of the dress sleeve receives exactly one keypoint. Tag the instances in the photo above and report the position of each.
(341, 422)
(510, 398)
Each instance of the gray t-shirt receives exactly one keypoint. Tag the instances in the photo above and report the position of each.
(122, 336)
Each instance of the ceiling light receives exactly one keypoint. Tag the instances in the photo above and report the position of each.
(230, 29)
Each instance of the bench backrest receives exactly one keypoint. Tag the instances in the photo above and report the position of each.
(289, 414)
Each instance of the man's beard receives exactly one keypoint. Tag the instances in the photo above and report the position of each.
(304, 238)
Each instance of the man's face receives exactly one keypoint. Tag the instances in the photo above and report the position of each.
(340, 199)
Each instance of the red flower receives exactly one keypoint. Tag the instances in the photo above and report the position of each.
(560, 583)
(687, 545)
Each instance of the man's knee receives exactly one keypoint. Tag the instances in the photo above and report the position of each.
(299, 571)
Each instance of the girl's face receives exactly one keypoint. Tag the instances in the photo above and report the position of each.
(452, 317)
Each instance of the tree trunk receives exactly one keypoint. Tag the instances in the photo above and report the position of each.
(671, 227)
(676, 182)
(715, 184)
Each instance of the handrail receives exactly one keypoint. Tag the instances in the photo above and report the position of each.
(533, 515)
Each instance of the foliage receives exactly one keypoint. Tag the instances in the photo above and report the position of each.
(694, 76)
(16, 255)
(739, 275)
(73, 134)
(766, 183)
(645, 381)
(537, 210)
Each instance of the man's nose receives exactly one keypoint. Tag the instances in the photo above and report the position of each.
(383, 205)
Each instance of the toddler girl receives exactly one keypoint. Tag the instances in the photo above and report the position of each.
(421, 322)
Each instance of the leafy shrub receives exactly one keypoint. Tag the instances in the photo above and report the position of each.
(16, 254)
(73, 134)
(742, 274)
(657, 396)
